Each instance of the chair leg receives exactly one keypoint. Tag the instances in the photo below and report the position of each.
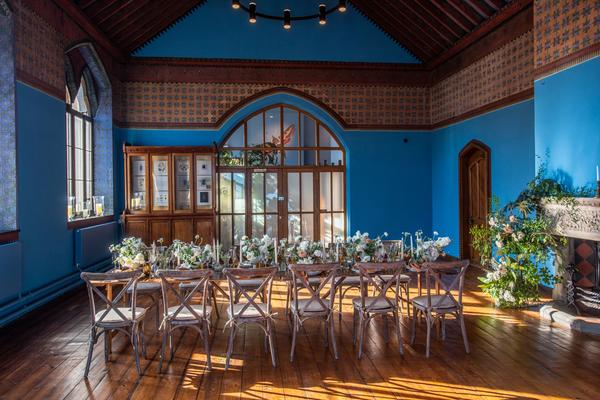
(214, 298)
(156, 304)
(171, 345)
(332, 336)
(362, 332)
(429, 322)
(341, 301)
(397, 315)
(443, 327)
(230, 346)
(463, 330)
(106, 346)
(134, 334)
(271, 336)
(354, 327)
(92, 340)
(142, 340)
(205, 333)
(294, 333)
(413, 334)
(163, 346)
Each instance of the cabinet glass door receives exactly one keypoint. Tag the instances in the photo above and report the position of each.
(138, 183)
(182, 165)
(204, 184)
(331, 204)
(160, 183)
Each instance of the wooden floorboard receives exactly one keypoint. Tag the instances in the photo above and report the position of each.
(514, 355)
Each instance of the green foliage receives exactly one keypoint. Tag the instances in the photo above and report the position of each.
(518, 241)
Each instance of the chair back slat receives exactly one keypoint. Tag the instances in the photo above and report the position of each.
(94, 280)
(300, 275)
(170, 283)
(449, 276)
(368, 273)
(235, 275)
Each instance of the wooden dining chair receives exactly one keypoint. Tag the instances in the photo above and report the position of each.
(254, 310)
(108, 316)
(447, 276)
(379, 304)
(343, 284)
(182, 312)
(317, 305)
(151, 291)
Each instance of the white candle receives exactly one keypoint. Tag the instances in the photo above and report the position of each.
(411, 245)
(337, 252)
(240, 251)
(218, 252)
(401, 249)
(275, 250)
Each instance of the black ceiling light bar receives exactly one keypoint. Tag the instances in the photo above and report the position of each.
(287, 16)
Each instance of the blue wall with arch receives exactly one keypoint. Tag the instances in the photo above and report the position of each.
(509, 133)
(388, 173)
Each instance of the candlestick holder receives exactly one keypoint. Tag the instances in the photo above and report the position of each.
(598, 189)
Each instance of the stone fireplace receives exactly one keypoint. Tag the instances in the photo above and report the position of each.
(579, 262)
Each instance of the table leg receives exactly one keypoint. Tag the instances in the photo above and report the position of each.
(109, 295)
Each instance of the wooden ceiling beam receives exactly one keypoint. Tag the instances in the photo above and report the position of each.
(102, 17)
(450, 15)
(86, 4)
(81, 19)
(98, 7)
(138, 37)
(479, 8)
(495, 4)
(439, 18)
(414, 44)
(466, 11)
(130, 15)
(417, 24)
(440, 32)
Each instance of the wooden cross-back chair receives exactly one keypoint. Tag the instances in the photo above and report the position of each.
(448, 276)
(107, 315)
(379, 303)
(317, 305)
(251, 311)
(183, 313)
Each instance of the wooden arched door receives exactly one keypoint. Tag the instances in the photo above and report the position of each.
(474, 193)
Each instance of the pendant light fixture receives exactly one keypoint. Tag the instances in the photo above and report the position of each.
(287, 18)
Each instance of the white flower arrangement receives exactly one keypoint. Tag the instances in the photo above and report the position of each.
(130, 253)
(257, 250)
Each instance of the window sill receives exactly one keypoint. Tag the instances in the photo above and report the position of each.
(87, 222)
(9, 237)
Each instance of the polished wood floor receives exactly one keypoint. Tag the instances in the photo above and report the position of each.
(514, 356)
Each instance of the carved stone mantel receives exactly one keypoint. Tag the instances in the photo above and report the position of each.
(584, 223)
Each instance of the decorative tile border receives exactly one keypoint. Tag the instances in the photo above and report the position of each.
(566, 32)
(499, 75)
(204, 104)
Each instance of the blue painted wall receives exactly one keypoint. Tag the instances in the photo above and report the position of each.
(509, 132)
(41, 265)
(215, 30)
(567, 122)
(376, 162)
(41, 161)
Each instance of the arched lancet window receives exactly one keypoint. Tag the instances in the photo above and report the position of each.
(281, 172)
(80, 153)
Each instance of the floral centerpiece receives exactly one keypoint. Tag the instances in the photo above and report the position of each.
(429, 250)
(191, 255)
(304, 251)
(258, 250)
(362, 248)
(130, 253)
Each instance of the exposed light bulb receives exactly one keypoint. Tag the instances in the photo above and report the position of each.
(287, 19)
(322, 14)
(342, 6)
(252, 11)
(235, 4)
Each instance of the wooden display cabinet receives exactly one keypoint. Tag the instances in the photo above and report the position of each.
(169, 193)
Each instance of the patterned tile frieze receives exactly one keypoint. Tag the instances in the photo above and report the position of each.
(39, 49)
(564, 28)
(206, 103)
(502, 73)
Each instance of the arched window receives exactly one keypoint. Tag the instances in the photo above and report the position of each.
(80, 154)
(281, 172)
